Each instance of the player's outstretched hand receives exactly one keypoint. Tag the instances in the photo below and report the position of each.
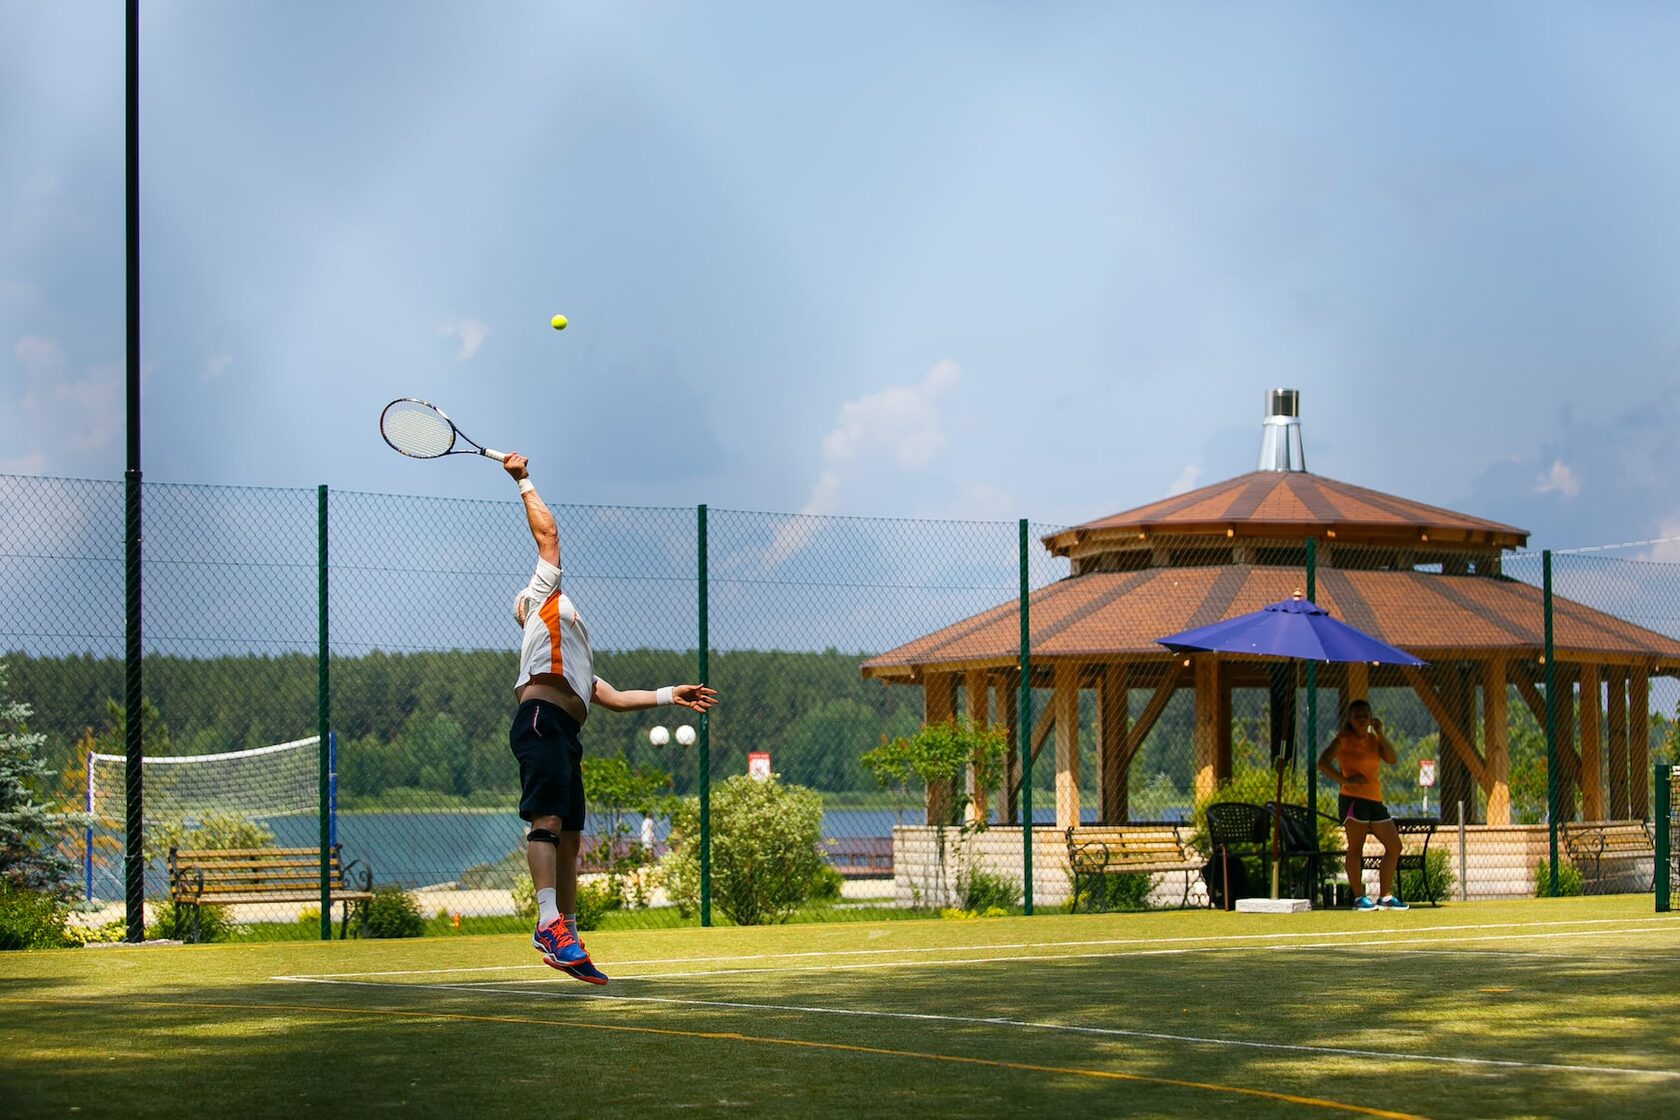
(695, 697)
(515, 464)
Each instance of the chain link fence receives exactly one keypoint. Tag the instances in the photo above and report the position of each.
(1523, 762)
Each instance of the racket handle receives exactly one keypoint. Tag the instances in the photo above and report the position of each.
(499, 456)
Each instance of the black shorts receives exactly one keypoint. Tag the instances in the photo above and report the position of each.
(545, 741)
(1361, 809)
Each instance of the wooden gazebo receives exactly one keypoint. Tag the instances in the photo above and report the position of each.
(1425, 579)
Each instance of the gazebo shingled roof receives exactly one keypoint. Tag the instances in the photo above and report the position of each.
(1289, 505)
(1426, 614)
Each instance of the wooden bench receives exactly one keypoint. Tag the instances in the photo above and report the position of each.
(1609, 854)
(1095, 852)
(208, 877)
(860, 857)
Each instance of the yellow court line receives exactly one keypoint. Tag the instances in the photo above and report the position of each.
(732, 1036)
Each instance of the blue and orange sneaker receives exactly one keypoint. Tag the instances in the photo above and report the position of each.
(559, 948)
(587, 972)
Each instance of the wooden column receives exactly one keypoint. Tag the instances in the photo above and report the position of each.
(978, 694)
(1206, 734)
(1569, 756)
(1639, 743)
(1616, 684)
(1495, 748)
(1222, 726)
(939, 703)
(1112, 762)
(1456, 686)
(1067, 746)
(1358, 685)
(1009, 704)
(1592, 744)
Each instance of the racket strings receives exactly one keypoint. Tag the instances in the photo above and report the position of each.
(417, 430)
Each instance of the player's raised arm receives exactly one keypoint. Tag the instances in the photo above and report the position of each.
(543, 528)
(694, 697)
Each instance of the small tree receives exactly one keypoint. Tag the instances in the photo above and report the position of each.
(936, 756)
(29, 830)
(615, 790)
(765, 862)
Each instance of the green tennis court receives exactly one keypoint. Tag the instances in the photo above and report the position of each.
(1567, 1007)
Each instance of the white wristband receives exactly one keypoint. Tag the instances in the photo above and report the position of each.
(526, 486)
(663, 696)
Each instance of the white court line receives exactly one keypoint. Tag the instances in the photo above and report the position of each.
(1061, 1028)
(1413, 939)
(1224, 938)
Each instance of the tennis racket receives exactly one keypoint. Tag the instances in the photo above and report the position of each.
(421, 430)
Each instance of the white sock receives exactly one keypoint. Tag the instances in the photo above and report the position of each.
(547, 908)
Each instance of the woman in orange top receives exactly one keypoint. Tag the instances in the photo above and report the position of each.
(1352, 761)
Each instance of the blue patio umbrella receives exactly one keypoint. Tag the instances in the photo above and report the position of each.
(1298, 629)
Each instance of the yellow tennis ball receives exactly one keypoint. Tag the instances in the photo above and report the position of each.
(558, 322)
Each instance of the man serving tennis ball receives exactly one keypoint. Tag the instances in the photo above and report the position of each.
(555, 687)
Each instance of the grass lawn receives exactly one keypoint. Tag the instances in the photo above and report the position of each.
(1561, 1007)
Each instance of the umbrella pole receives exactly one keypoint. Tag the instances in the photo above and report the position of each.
(1277, 826)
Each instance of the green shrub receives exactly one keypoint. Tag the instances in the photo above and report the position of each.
(1126, 891)
(827, 884)
(107, 934)
(525, 898)
(764, 850)
(1436, 874)
(217, 831)
(175, 923)
(981, 891)
(392, 912)
(1570, 881)
(30, 919)
(594, 901)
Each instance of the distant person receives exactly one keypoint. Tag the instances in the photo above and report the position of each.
(555, 687)
(1352, 761)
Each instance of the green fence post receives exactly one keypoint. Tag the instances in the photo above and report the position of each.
(1551, 721)
(1312, 687)
(705, 748)
(1662, 811)
(1023, 735)
(323, 712)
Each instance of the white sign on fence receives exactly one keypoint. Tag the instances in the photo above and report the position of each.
(1426, 772)
(758, 765)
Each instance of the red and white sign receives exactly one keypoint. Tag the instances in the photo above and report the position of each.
(1426, 773)
(758, 765)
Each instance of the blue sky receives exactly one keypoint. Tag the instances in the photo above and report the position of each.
(930, 260)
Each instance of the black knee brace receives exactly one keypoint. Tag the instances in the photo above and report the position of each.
(542, 835)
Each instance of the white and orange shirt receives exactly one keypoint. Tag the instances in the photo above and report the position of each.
(555, 640)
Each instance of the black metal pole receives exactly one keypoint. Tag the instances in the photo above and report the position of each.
(134, 862)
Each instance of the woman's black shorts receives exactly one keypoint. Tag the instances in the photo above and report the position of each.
(545, 741)
(1361, 809)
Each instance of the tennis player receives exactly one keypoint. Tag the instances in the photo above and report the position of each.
(556, 687)
(1353, 760)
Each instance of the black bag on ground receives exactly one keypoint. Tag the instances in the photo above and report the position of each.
(1222, 893)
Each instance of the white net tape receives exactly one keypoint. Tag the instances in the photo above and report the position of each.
(282, 780)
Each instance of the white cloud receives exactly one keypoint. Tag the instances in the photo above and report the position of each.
(42, 358)
(1186, 480)
(61, 415)
(470, 332)
(216, 365)
(901, 422)
(1666, 550)
(1559, 479)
